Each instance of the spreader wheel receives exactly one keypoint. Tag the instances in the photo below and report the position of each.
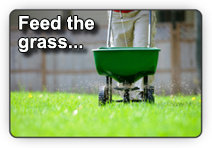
(148, 94)
(103, 96)
(151, 98)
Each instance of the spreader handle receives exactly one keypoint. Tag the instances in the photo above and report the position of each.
(109, 28)
(149, 29)
(109, 79)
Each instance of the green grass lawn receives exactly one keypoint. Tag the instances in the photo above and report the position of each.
(44, 114)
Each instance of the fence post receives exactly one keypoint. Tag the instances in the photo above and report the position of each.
(175, 55)
(43, 70)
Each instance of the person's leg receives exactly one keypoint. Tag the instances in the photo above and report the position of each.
(141, 29)
(119, 32)
(141, 40)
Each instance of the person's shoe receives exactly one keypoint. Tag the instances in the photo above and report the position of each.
(140, 96)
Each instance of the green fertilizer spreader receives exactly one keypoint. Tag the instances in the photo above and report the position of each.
(126, 65)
